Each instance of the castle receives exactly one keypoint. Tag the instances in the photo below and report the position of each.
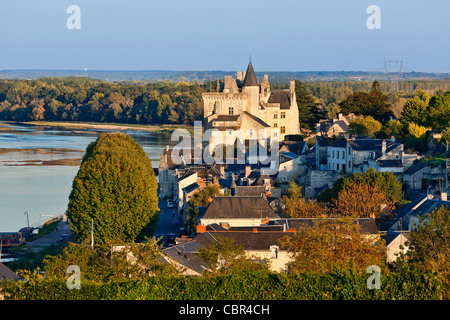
(244, 103)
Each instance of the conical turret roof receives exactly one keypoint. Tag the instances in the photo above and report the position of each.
(250, 77)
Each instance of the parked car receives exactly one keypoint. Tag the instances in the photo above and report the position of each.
(170, 204)
(64, 237)
(171, 238)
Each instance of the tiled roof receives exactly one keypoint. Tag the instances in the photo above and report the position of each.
(239, 207)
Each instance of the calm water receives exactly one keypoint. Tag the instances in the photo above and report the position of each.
(43, 190)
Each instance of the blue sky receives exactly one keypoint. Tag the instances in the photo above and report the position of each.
(282, 35)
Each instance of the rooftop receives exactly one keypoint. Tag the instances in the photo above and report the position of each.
(239, 207)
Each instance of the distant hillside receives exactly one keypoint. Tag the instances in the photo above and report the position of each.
(276, 77)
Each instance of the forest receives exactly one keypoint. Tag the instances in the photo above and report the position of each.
(90, 100)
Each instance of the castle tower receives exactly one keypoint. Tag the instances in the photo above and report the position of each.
(250, 86)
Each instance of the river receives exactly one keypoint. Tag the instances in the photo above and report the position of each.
(30, 180)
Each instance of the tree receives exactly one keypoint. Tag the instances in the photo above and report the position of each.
(225, 256)
(365, 126)
(416, 109)
(362, 200)
(439, 111)
(134, 261)
(307, 106)
(429, 245)
(386, 181)
(330, 244)
(116, 187)
(296, 206)
(374, 103)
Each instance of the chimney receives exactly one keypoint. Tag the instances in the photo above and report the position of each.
(292, 86)
(444, 196)
(340, 116)
(383, 147)
(167, 147)
(201, 228)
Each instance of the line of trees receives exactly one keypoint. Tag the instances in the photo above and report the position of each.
(91, 100)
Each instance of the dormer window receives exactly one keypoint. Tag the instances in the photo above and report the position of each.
(274, 252)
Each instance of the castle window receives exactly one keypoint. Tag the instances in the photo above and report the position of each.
(283, 115)
(283, 129)
(230, 110)
(275, 125)
(275, 115)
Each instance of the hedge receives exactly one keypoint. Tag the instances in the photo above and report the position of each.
(345, 285)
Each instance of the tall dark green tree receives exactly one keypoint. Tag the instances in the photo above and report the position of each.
(374, 103)
(116, 187)
(309, 113)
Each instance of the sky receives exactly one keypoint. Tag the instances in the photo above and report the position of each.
(281, 35)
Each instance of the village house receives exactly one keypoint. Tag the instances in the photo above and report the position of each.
(335, 127)
(408, 216)
(422, 175)
(236, 211)
(260, 242)
(396, 244)
(359, 154)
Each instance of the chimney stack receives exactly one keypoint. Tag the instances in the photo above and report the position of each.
(444, 196)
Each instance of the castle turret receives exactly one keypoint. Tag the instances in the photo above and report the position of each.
(250, 86)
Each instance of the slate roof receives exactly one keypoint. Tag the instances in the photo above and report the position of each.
(192, 187)
(429, 206)
(261, 122)
(250, 79)
(283, 97)
(245, 191)
(415, 168)
(392, 235)
(249, 240)
(390, 163)
(340, 143)
(364, 144)
(7, 274)
(296, 147)
(186, 255)
(226, 117)
(239, 207)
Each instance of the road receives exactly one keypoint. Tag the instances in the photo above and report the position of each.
(169, 221)
(53, 238)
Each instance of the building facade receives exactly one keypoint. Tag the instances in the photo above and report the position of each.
(244, 103)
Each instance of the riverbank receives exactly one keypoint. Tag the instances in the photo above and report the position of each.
(168, 128)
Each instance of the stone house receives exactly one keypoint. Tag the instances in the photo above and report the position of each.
(236, 211)
(335, 127)
(422, 175)
(359, 154)
(396, 244)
